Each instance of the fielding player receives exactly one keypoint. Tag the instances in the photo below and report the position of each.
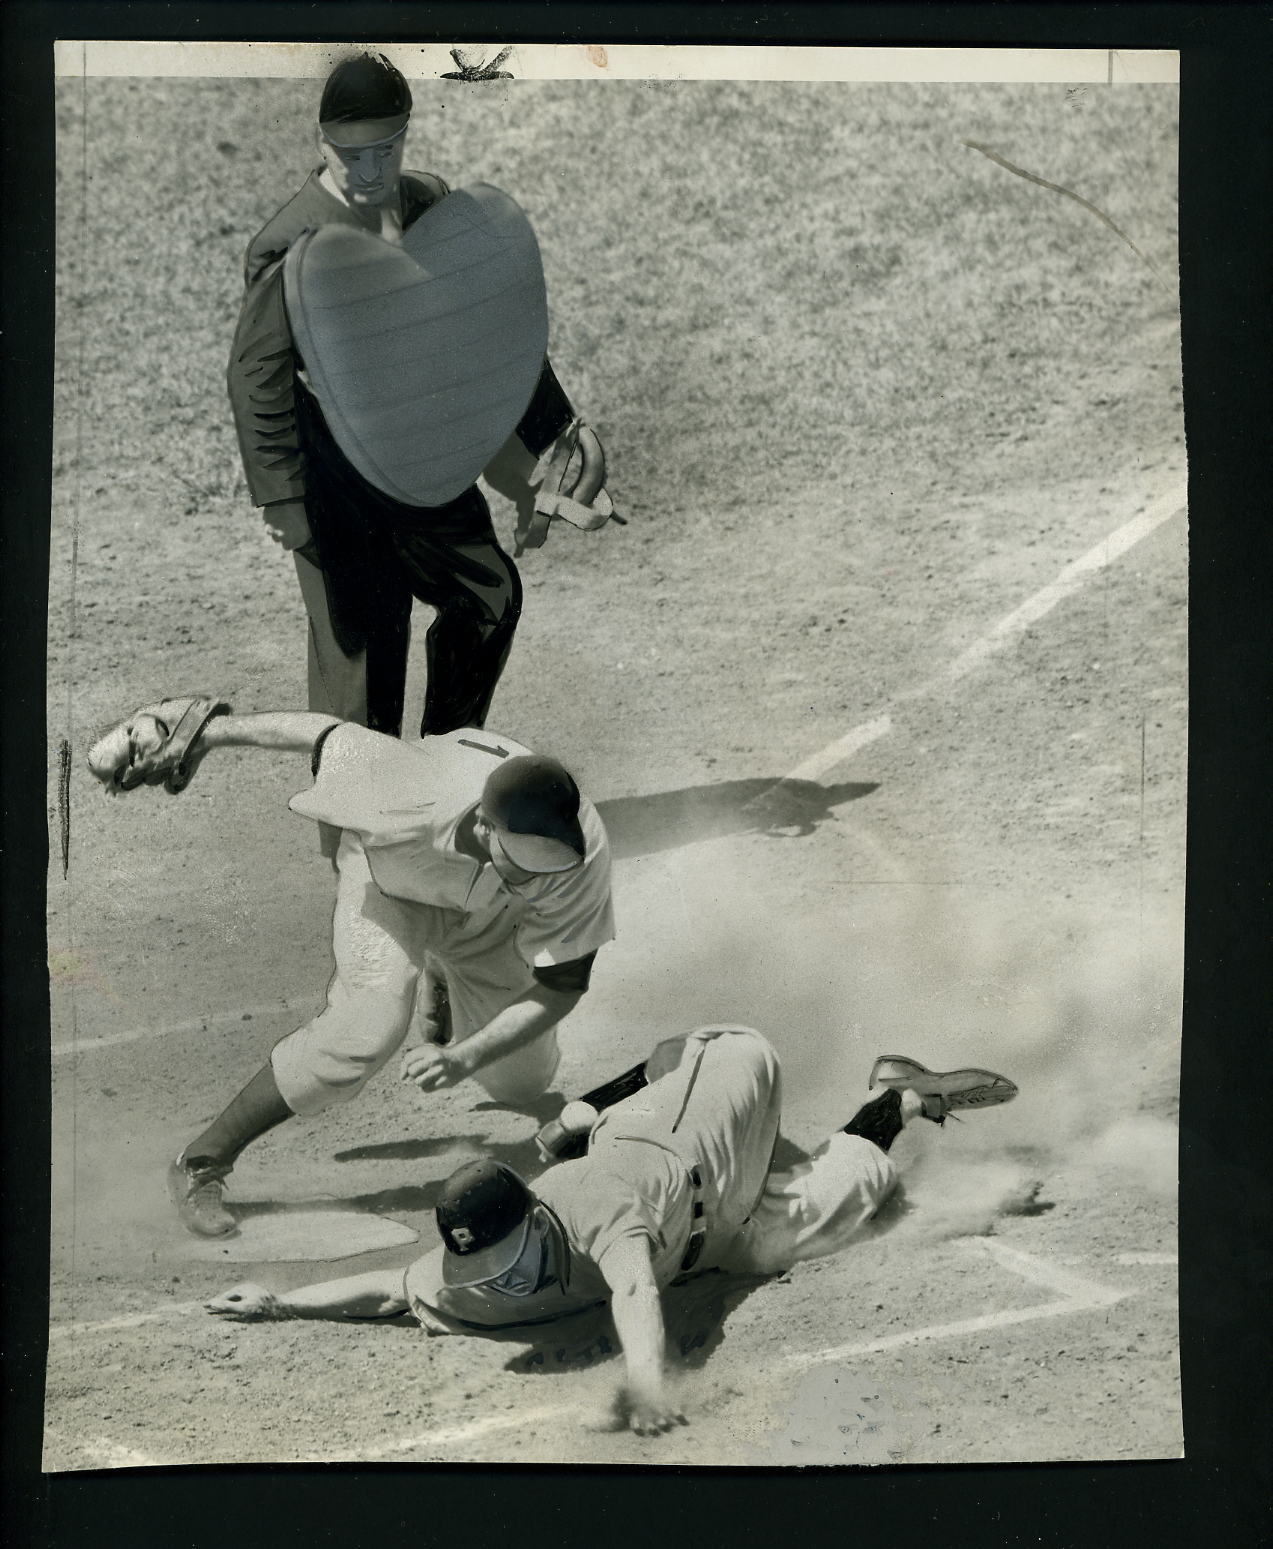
(677, 1177)
(466, 850)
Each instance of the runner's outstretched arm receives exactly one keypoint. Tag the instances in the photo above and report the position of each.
(376, 1294)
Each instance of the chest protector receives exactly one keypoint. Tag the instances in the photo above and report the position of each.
(423, 356)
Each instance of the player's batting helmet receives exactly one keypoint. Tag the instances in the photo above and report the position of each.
(484, 1216)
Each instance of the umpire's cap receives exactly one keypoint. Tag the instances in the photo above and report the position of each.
(534, 803)
(366, 100)
(484, 1215)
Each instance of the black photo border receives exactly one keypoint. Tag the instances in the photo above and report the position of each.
(1223, 1488)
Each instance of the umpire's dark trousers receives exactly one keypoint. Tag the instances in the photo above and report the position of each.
(370, 556)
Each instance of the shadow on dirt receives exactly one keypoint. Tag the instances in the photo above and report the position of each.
(417, 1149)
(783, 809)
(694, 1315)
(541, 1109)
(420, 1148)
(522, 1156)
(408, 1197)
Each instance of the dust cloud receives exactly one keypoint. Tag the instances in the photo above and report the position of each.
(1076, 999)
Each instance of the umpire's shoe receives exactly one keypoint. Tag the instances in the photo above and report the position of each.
(942, 1091)
(197, 1189)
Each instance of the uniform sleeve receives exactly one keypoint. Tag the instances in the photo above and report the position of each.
(573, 977)
(572, 915)
(369, 783)
(606, 1208)
(548, 415)
(261, 380)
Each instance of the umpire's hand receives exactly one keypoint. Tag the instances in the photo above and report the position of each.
(287, 523)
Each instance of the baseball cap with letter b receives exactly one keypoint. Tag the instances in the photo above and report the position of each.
(484, 1215)
(533, 803)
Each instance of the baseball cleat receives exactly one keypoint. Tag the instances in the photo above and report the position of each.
(942, 1091)
(197, 1190)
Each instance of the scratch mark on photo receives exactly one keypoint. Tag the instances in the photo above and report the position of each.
(64, 802)
(1057, 188)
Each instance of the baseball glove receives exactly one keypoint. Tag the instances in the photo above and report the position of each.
(569, 484)
(156, 745)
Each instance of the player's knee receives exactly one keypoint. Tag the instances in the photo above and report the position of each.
(747, 1058)
(523, 1077)
(333, 1058)
(743, 1047)
(380, 1024)
(362, 1031)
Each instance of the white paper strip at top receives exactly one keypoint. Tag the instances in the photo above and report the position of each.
(629, 62)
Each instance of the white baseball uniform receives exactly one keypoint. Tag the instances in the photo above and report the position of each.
(406, 890)
(692, 1151)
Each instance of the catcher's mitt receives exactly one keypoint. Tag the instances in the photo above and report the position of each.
(156, 745)
(569, 482)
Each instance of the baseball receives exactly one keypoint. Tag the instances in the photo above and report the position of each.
(576, 1118)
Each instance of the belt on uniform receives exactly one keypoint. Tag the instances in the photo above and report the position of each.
(698, 1226)
(698, 1223)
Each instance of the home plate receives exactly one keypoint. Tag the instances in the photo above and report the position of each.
(291, 1236)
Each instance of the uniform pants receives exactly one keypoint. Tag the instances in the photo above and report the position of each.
(814, 1209)
(380, 945)
(374, 556)
(759, 1220)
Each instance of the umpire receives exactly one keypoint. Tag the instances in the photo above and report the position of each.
(362, 556)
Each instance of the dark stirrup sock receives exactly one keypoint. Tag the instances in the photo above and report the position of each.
(615, 1091)
(879, 1121)
(257, 1108)
(558, 1144)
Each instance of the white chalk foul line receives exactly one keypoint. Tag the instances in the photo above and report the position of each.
(297, 1006)
(125, 1320)
(1003, 633)
(454, 1435)
(842, 749)
(1053, 1277)
(1078, 1294)
(99, 1450)
(1067, 583)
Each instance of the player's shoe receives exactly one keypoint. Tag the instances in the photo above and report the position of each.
(197, 1190)
(942, 1091)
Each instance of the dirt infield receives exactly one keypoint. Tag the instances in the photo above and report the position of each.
(866, 394)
